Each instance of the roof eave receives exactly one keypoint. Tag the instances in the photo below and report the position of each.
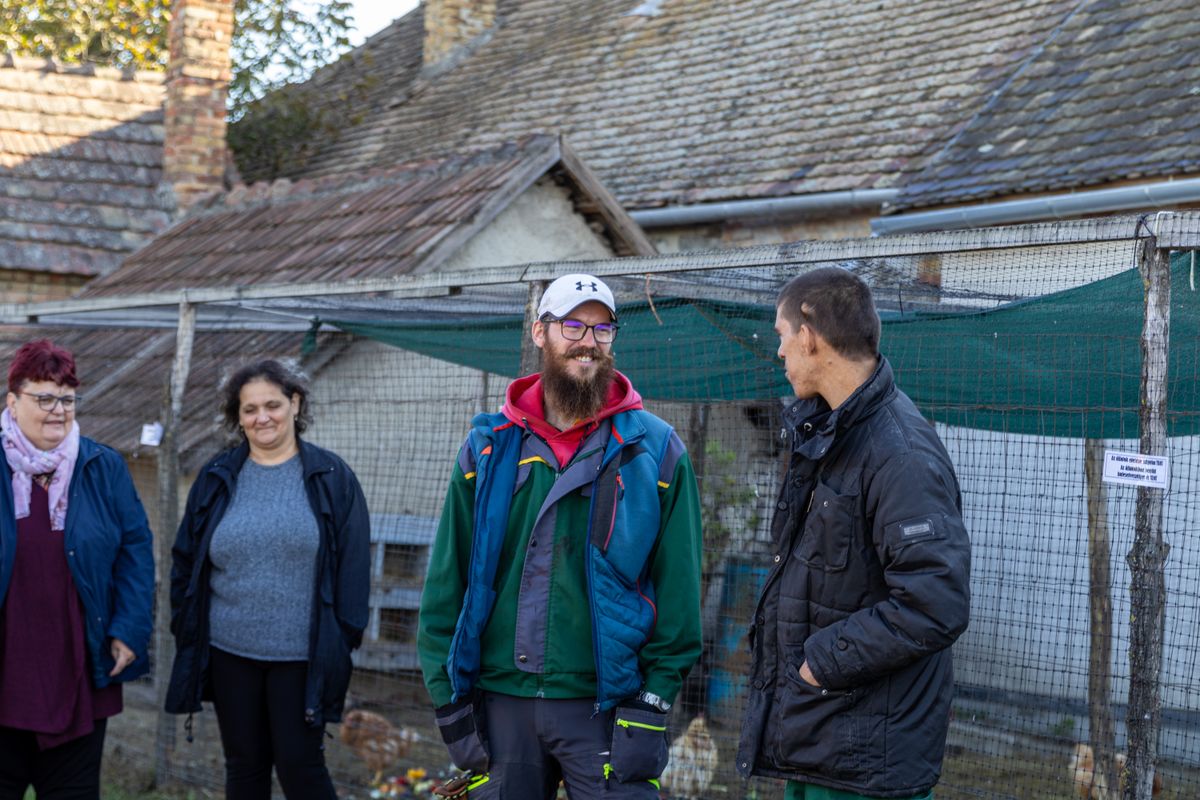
(1161, 195)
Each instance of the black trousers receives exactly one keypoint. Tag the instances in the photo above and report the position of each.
(70, 771)
(534, 743)
(260, 711)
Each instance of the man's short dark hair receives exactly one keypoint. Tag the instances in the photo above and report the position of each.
(836, 304)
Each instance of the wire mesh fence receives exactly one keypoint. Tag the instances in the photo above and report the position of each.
(1023, 346)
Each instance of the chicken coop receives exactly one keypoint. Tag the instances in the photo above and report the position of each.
(399, 555)
(1045, 356)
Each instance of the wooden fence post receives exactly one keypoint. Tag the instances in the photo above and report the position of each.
(168, 521)
(1147, 558)
(1101, 728)
(531, 355)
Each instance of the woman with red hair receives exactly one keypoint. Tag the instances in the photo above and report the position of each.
(76, 584)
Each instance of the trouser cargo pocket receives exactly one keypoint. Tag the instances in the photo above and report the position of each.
(639, 744)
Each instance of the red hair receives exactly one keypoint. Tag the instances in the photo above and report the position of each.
(41, 360)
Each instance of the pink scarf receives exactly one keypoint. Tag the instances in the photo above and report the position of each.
(27, 461)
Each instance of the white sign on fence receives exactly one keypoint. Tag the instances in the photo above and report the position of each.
(152, 433)
(1135, 469)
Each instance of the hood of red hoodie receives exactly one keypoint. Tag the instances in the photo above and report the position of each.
(523, 404)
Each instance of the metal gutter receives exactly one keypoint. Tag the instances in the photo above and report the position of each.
(1166, 194)
(821, 203)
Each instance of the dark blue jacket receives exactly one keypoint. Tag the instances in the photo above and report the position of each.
(110, 553)
(339, 612)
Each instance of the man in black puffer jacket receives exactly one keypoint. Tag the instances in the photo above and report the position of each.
(851, 679)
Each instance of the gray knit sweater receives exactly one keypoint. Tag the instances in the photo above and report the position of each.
(264, 554)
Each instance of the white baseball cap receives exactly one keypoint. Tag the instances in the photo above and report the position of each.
(569, 292)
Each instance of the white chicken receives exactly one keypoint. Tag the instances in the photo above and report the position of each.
(693, 762)
(1088, 784)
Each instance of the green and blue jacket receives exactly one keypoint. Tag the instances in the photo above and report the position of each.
(565, 580)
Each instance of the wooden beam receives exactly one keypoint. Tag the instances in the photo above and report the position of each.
(168, 521)
(607, 206)
(531, 354)
(1177, 230)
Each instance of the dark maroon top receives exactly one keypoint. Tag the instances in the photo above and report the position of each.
(45, 683)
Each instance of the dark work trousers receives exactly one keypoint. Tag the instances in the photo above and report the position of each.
(260, 711)
(70, 771)
(534, 743)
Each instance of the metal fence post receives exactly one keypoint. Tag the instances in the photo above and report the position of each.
(1148, 556)
(168, 520)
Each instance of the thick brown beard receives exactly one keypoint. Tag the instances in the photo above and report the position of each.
(574, 398)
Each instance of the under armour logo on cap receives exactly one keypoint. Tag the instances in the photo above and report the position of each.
(569, 292)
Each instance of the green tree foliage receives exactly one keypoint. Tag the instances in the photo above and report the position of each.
(123, 33)
(727, 504)
(275, 42)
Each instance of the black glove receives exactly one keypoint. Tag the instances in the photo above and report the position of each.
(464, 732)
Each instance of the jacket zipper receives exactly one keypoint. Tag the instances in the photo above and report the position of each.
(591, 579)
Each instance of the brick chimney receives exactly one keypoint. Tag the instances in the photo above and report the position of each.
(198, 76)
(450, 24)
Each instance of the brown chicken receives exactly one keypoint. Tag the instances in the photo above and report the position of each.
(1088, 785)
(379, 743)
(693, 761)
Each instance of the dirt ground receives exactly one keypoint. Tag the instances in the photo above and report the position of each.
(1030, 769)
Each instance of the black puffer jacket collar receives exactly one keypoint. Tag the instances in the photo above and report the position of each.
(813, 427)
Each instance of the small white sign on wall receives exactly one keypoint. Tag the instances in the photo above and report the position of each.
(1135, 469)
(152, 433)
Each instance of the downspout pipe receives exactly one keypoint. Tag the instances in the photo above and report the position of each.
(824, 203)
(1166, 194)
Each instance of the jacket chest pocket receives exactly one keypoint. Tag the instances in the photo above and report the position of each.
(831, 527)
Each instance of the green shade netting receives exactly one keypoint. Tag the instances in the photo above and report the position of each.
(1066, 364)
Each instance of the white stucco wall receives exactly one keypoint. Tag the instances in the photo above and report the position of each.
(540, 225)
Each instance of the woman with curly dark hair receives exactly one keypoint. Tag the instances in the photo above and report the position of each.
(269, 589)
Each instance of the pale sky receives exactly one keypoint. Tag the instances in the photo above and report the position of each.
(372, 15)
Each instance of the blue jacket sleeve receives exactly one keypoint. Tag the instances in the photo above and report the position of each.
(132, 618)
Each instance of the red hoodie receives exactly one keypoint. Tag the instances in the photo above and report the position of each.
(524, 406)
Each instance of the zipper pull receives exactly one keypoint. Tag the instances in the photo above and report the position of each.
(811, 497)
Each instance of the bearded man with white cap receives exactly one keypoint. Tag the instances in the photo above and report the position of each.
(561, 610)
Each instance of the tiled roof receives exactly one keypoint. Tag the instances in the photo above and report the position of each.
(80, 160)
(1115, 96)
(379, 223)
(123, 371)
(709, 101)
